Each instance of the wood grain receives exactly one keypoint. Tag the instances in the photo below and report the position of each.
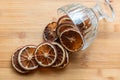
(22, 23)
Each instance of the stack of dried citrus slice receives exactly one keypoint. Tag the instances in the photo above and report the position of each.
(45, 55)
(60, 38)
(50, 54)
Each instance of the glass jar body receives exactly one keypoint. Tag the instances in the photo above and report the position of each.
(84, 19)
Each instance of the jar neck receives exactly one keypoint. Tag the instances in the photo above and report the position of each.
(98, 12)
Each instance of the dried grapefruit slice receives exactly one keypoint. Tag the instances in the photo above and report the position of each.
(60, 55)
(50, 32)
(26, 58)
(45, 54)
(66, 62)
(15, 63)
(63, 27)
(71, 40)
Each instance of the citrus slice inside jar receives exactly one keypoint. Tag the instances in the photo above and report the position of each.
(64, 19)
(71, 40)
(62, 27)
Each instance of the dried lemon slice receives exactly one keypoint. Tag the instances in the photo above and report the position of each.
(26, 58)
(45, 54)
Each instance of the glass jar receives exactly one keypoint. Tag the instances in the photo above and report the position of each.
(86, 19)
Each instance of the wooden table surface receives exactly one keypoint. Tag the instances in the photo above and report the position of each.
(22, 23)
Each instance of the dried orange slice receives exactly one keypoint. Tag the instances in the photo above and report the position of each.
(66, 62)
(60, 55)
(80, 26)
(62, 27)
(45, 54)
(63, 19)
(15, 63)
(50, 32)
(84, 24)
(87, 21)
(71, 40)
(87, 24)
(26, 58)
